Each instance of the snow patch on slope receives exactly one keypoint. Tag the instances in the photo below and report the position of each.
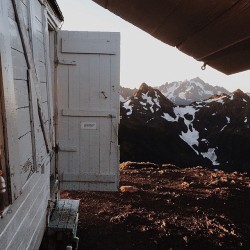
(156, 99)
(147, 98)
(211, 155)
(228, 122)
(129, 107)
(122, 99)
(151, 101)
(219, 100)
(169, 118)
(223, 128)
(191, 137)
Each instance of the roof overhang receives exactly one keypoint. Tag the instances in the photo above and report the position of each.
(54, 5)
(215, 32)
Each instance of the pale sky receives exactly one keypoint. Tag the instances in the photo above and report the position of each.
(144, 58)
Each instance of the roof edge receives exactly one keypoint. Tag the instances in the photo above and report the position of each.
(54, 5)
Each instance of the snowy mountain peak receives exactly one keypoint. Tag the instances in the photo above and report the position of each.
(144, 87)
(146, 100)
(147, 91)
(239, 95)
(197, 79)
(186, 92)
(239, 92)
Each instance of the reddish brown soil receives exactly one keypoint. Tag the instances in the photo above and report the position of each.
(191, 208)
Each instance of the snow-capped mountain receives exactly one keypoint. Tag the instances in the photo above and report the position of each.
(214, 132)
(186, 92)
(147, 101)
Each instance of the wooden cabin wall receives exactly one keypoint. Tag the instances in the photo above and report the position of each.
(22, 226)
(20, 77)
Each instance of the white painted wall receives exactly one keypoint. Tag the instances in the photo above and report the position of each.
(27, 85)
(23, 223)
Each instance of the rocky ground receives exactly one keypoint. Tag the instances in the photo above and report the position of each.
(166, 207)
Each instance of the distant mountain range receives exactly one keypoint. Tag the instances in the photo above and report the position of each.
(186, 92)
(182, 92)
(214, 132)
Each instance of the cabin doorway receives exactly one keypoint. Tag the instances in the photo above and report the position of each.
(88, 80)
(4, 175)
(54, 183)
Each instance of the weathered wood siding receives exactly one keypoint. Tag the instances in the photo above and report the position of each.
(23, 225)
(20, 70)
(23, 228)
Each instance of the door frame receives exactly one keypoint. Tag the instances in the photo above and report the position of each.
(4, 161)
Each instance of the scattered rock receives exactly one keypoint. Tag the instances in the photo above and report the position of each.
(130, 189)
(188, 208)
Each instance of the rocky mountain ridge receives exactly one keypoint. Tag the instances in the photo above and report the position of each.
(186, 92)
(126, 93)
(214, 132)
(182, 92)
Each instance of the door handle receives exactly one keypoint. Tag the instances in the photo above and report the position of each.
(103, 92)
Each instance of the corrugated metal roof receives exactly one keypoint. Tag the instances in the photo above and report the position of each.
(56, 8)
(216, 32)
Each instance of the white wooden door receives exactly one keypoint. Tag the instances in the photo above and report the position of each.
(88, 78)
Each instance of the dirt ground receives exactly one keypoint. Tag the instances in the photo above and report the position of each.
(173, 208)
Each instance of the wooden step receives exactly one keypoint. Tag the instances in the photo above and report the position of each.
(63, 223)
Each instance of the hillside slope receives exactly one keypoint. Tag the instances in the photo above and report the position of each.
(214, 132)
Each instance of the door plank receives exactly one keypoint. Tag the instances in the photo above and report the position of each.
(89, 113)
(89, 178)
(89, 46)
